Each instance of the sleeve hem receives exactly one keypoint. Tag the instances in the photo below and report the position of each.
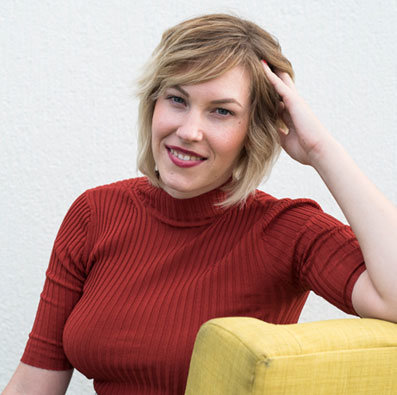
(56, 365)
(349, 288)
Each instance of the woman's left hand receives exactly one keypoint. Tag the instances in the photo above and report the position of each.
(306, 137)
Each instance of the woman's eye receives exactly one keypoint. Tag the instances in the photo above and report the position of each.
(176, 99)
(223, 111)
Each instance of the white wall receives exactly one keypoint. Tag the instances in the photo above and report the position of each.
(67, 118)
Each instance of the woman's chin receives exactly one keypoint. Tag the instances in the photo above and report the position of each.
(179, 191)
(183, 189)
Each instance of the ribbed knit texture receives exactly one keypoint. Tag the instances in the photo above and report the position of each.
(134, 273)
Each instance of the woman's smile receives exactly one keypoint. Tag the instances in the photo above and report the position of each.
(184, 158)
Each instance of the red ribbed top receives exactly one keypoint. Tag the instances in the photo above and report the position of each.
(134, 273)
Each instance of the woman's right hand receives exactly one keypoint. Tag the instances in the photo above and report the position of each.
(30, 380)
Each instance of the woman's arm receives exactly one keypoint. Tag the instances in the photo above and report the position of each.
(30, 380)
(372, 217)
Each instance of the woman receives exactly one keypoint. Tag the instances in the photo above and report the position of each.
(139, 265)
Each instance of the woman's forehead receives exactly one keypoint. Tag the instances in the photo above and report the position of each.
(233, 78)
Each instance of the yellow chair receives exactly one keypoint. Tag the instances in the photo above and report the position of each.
(240, 355)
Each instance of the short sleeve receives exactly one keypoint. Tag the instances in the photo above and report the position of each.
(328, 258)
(63, 286)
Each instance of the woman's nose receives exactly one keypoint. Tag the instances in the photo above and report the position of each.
(191, 128)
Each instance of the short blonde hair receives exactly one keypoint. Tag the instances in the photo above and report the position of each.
(201, 49)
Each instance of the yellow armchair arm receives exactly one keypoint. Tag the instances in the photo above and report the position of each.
(241, 355)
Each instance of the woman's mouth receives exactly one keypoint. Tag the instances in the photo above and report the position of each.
(184, 158)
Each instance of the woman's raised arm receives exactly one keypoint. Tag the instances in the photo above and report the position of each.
(372, 217)
(30, 380)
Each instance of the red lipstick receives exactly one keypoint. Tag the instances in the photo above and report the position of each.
(183, 162)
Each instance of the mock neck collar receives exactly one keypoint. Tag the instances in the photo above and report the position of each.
(195, 211)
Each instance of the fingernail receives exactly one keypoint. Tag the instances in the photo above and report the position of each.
(264, 61)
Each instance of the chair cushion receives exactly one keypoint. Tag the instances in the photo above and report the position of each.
(240, 355)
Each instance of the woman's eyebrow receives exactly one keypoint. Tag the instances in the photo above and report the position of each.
(219, 101)
(178, 88)
(225, 101)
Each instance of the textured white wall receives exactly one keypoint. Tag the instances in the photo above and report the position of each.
(67, 118)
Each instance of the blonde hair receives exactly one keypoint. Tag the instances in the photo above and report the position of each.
(201, 49)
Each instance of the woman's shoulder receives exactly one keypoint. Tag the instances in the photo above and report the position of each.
(124, 186)
(113, 192)
(266, 200)
(119, 185)
(298, 212)
(272, 206)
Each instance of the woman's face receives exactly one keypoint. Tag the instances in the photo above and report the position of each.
(198, 132)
